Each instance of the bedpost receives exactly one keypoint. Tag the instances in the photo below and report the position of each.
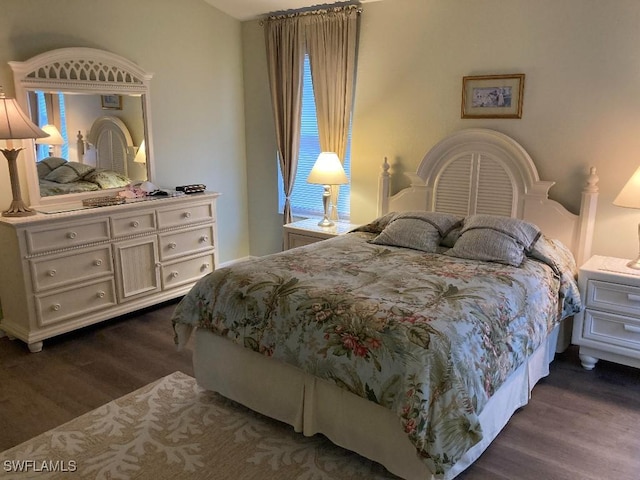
(587, 219)
(383, 189)
(80, 147)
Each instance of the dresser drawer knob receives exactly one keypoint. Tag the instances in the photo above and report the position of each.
(205, 266)
(55, 307)
(97, 262)
(633, 298)
(631, 328)
(135, 224)
(72, 235)
(52, 273)
(187, 214)
(204, 238)
(172, 245)
(174, 274)
(100, 294)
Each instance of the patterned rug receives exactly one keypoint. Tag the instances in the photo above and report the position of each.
(172, 429)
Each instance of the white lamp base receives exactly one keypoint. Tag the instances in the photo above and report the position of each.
(635, 264)
(17, 208)
(326, 196)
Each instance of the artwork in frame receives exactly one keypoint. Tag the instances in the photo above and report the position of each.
(492, 96)
(111, 102)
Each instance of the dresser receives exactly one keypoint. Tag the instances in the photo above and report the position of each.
(307, 231)
(609, 326)
(67, 270)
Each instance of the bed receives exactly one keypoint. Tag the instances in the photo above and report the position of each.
(103, 162)
(399, 344)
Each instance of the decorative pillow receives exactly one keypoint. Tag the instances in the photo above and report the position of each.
(107, 178)
(377, 225)
(47, 165)
(69, 172)
(417, 230)
(450, 238)
(495, 238)
(555, 254)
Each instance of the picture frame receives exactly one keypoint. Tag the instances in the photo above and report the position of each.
(111, 102)
(492, 96)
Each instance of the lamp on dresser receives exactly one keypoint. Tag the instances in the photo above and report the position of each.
(15, 125)
(53, 140)
(629, 197)
(327, 171)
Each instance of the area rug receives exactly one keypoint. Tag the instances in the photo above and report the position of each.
(174, 429)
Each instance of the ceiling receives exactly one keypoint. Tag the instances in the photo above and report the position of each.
(252, 9)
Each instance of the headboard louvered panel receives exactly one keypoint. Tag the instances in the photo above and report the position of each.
(495, 189)
(454, 180)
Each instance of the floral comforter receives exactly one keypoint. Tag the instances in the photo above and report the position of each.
(429, 336)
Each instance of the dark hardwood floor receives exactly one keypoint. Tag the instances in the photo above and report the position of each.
(579, 424)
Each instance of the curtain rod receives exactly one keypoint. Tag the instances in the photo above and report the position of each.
(317, 11)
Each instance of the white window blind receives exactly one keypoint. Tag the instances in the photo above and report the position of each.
(306, 199)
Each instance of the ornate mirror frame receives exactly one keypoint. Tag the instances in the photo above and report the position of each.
(80, 70)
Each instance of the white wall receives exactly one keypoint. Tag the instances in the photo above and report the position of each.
(581, 102)
(197, 110)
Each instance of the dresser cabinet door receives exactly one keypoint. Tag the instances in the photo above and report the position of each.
(137, 267)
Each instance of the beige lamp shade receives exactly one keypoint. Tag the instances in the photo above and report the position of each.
(141, 154)
(629, 196)
(54, 138)
(328, 170)
(14, 124)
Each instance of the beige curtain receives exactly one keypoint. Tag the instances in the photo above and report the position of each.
(284, 38)
(332, 39)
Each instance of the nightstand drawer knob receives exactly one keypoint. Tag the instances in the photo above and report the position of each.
(633, 298)
(631, 328)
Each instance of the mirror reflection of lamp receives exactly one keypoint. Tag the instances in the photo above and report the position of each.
(141, 154)
(629, 197)
(327, 171)
(15, 125)
(54, 140)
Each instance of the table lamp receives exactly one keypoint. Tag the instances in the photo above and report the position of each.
(327, 171)
(629, 197)
(54, 139)
(15, 125)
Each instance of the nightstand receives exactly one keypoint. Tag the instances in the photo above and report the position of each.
(307, 231)
(609, 326)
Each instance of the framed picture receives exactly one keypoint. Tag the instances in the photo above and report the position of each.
(492, 96)
(111, 102)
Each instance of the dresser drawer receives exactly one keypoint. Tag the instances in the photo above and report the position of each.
(59, 270)
(184, 242)
(185, 214)
(140, 222)
(186, 271)
(607, 328)
(613, 297)
(75, 301)
(69, 235)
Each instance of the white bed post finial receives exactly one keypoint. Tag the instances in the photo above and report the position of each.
(587, 220)
(383, 189)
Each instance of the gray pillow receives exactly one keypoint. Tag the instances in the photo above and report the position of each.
(47, 165)
(69, 172)
(417, 230)
(495, 238)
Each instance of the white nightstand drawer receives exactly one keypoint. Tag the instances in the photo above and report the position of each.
(613, 297)
(612, 329)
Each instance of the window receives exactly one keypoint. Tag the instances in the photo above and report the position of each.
(43, 119)
(306, 198)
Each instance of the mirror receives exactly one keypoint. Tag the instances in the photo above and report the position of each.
(100, 102)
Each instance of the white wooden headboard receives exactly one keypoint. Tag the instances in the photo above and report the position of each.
(112, 141)
(485, 171)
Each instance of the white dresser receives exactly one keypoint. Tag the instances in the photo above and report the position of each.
(63, 271)
(609, 327)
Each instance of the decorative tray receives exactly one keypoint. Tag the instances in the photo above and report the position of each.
(103, 201)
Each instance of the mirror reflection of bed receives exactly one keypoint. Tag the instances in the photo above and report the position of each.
(98, 152)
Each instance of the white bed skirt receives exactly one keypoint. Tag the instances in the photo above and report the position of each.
(312, 405)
